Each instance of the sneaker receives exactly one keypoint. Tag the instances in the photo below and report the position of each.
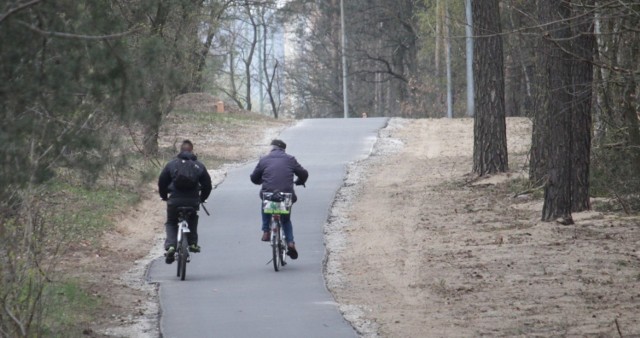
(194, 248)
(291, 251)
(266, 236)
(170, 255)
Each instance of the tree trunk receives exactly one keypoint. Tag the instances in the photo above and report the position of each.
(436, 56)
(447, 55)
(152, 124)
(582, 73)
(539, 155)
(490, 137)
(249, 60)
(557, 193)
(629, 60)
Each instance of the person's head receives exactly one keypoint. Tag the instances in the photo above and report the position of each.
(186, 146)
(278, 144)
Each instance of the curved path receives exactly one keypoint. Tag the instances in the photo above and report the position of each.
(231, 290)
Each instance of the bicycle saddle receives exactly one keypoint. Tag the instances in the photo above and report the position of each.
(186, 210)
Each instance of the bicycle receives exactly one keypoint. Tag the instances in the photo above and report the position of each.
(277, 204)
(182, 249)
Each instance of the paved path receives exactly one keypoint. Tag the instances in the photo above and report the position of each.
(230, 289)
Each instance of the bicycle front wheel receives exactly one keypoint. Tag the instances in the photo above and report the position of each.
(282, 250)
(275, 248)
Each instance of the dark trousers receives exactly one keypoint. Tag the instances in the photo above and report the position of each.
(171, 226)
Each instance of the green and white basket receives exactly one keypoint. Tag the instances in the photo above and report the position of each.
(276, 207)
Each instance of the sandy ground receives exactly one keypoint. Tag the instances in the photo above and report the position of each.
(417, 247)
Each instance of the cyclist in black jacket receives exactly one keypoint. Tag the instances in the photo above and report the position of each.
(275, 172)
(182, 198)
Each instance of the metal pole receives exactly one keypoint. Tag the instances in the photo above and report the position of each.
(345, 97)
(469, 31)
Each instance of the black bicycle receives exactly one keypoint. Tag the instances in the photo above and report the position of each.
(277, 204)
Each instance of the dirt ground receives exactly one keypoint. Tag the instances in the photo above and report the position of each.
(417, 247)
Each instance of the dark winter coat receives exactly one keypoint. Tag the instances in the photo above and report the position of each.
(191, 197)
(276, 170)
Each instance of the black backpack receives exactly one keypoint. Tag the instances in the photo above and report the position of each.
(186, 175)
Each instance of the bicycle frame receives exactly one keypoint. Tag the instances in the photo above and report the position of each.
(183, 228)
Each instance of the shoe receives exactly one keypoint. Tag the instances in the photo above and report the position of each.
(194, 248)
(266, 236)
(170, 255)
(291, 251)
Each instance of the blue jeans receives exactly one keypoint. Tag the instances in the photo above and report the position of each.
(286, 225)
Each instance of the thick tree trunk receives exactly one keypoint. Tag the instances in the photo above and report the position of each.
(557, 193)
(539, 155)
(490, 139)
(582, 73)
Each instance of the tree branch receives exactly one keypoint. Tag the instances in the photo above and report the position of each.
(77, 36)
(19, 8)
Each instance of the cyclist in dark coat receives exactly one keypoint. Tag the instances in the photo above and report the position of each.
(275, 172)
(182, 198)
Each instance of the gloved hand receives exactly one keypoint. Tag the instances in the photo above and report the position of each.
(297, 182)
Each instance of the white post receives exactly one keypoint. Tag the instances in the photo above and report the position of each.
(345, 98)
(469, 31)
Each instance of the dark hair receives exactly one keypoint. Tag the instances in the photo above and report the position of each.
(186, 143)
(279, 144)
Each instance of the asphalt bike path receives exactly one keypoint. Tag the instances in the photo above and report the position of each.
(231, 288)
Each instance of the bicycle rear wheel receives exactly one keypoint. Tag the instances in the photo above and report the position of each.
(179, 261)
(182, 258)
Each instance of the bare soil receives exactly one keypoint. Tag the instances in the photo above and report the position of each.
(418, 247)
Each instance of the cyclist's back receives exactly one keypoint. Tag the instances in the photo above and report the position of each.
(175, 188)
(276, 171)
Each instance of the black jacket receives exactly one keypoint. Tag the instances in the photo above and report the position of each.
(165, 182)
(275, 172)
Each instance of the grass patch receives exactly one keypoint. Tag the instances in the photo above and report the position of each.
(87, 210)
(68, 306)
